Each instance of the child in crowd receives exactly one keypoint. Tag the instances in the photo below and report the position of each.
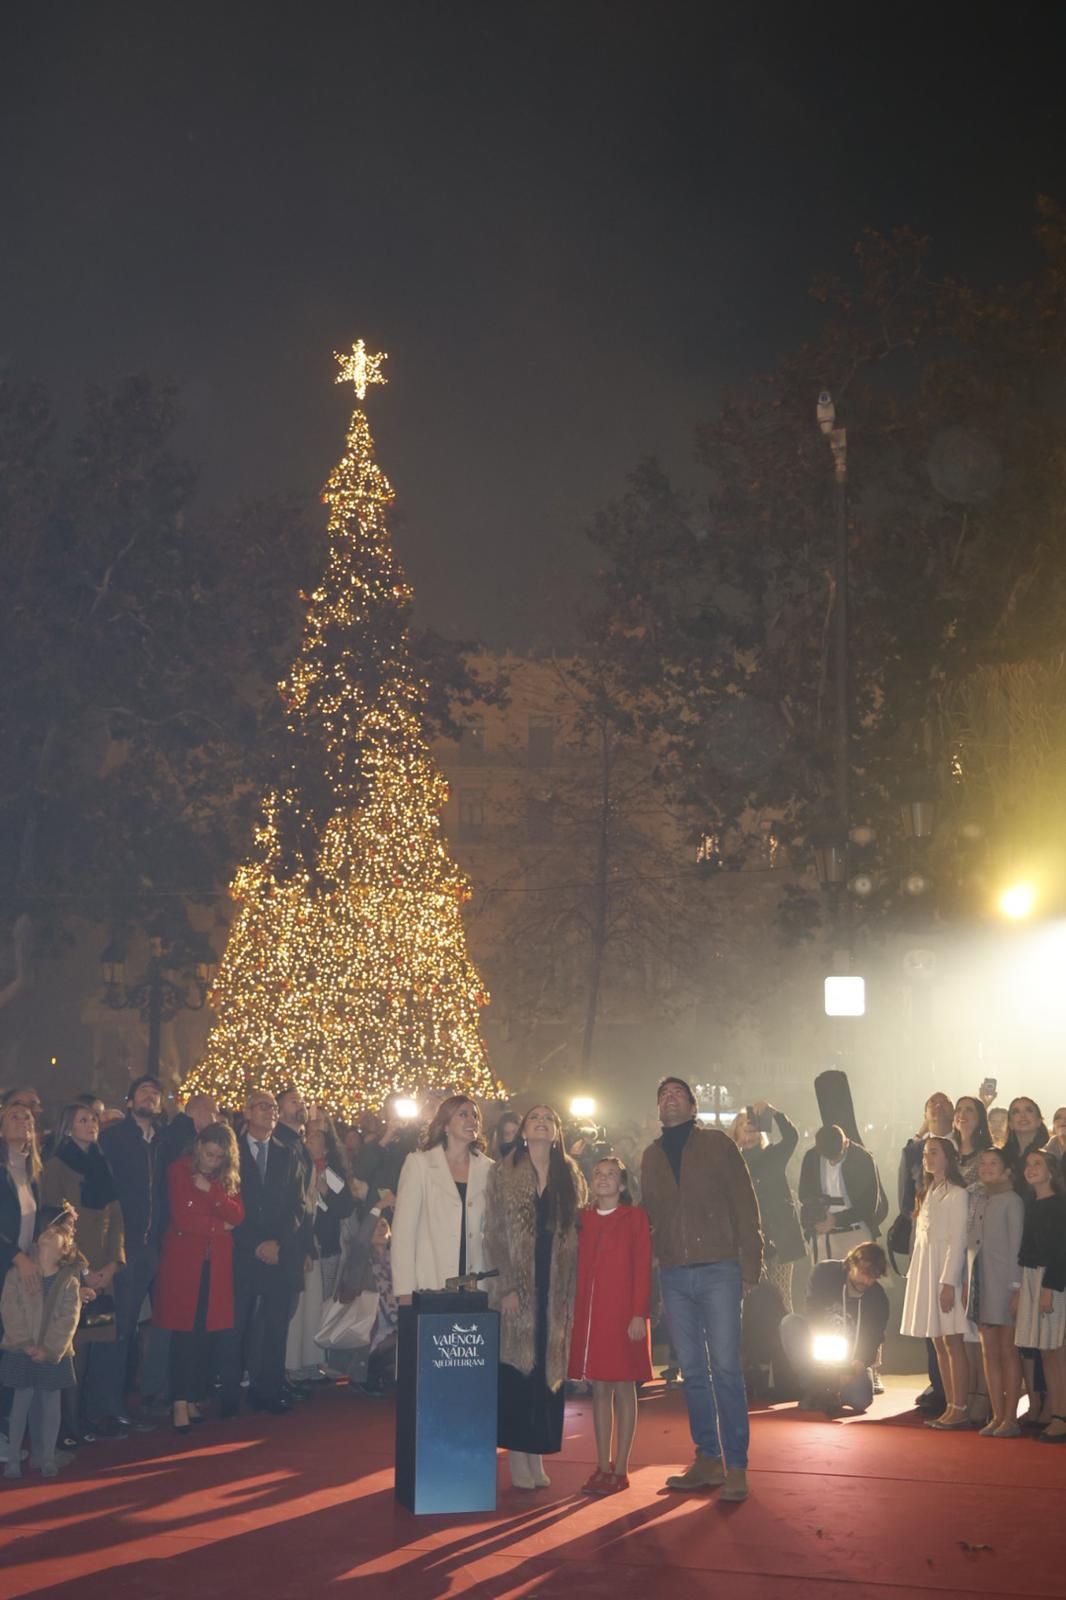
(39, 1323)
(1040, 1303)
(995, 1234)
(610, 1343)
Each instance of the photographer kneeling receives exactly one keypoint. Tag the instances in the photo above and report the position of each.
(834, 1346)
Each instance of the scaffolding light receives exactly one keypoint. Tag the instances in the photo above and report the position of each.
(845, 997)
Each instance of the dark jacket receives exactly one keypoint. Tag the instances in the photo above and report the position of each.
(712, 1215)
(378, 1165)
(176, 1139)
(11, 1219)
(274, 1209)
(777, 1208)
(867, 1314)
(910, 1174)
(1044, 1239)
(329, 1211)
(137, 1167)
(292, 1141)
(869, 1202)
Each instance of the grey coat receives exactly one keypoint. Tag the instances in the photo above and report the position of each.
(994, 1236)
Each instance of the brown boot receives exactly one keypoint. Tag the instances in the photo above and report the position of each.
(736, 1484)
(706, 1472)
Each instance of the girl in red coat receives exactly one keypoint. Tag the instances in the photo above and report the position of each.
(194, 1290)
(611, 1344)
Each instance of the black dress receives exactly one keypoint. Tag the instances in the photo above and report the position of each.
(530, 1414)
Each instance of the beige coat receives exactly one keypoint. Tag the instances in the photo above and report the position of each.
(510, 1238)
(99, 1233)
(428, 1219)
(50, 1320)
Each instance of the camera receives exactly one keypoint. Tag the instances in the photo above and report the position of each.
(818, 1210)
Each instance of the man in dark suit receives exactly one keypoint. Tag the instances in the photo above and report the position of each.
(267, 1260)
(842, 1203)
(291, 1128)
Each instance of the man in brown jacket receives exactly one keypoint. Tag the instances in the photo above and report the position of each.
(704, 1215)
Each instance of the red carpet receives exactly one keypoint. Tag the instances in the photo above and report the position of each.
(302, 1505)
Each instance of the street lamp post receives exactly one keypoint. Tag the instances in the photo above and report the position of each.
(160, 993)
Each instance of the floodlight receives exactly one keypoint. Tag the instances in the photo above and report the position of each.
(845, 997)
(830, 1348)
(1018, 901)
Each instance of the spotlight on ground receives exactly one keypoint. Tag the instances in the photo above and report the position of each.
(1018, 901)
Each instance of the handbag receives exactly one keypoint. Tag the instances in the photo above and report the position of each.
(96, 1320)
(899, 1240)
(348, 1325)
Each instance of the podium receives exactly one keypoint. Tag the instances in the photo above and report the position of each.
(447, 1358)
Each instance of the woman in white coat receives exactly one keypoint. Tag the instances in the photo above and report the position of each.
(933, 1304)
(439, 1220)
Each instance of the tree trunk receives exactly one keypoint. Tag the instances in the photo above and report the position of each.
(600, 901)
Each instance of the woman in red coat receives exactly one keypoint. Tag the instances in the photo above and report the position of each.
(611, 1344)
(194, 1289)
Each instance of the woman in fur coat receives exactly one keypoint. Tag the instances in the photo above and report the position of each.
(531, 1237)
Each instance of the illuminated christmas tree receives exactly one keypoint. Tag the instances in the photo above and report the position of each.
(347, 971)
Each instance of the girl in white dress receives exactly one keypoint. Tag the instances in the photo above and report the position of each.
(933, 1305)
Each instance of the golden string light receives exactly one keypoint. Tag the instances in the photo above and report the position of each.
(349, 975)
(360, 367)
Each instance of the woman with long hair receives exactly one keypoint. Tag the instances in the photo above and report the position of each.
(531, 1237)
(1040, 1302)
(610, 1345)
(20, 1174)
(331, 1201)
(194, 1287)
(1026, 1131)
(439, 1220)
(995, 1233)
(933, 1302)
(969, 1130)
(77, 1174)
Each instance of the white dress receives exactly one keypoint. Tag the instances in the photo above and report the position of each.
(938, 1257)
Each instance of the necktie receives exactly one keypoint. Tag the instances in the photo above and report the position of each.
(261, 1158)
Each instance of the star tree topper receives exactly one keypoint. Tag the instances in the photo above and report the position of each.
(360, 368)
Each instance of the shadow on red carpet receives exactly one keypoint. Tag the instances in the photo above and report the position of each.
(299, 1505)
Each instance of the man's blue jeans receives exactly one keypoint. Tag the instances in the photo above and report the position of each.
(702, 1306)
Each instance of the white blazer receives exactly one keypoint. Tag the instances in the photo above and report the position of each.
(428, 1218)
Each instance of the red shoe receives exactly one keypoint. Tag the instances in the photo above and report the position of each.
(615, 1483)
(599, 1483)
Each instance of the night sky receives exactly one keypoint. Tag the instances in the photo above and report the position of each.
(571, 225)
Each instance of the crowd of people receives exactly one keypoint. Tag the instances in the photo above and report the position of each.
(207, 1261)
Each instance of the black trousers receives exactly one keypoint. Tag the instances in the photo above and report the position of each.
(262, 1297)
(192, 1354)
